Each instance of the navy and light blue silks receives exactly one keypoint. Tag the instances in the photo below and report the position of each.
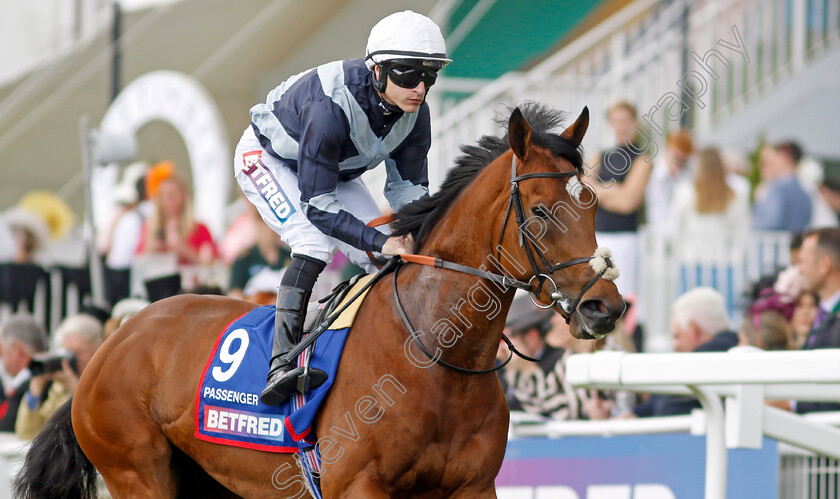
(328, 124)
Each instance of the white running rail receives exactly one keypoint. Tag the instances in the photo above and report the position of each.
(744, 379)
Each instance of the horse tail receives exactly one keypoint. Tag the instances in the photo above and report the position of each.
(55, 466)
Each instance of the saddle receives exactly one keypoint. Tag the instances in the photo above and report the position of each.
(318, 311)
(228, 410)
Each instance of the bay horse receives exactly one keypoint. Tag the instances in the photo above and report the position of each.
(395, 424)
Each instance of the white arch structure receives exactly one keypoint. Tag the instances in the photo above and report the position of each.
(182, 102)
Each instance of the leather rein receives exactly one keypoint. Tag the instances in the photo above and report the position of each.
(515, 204)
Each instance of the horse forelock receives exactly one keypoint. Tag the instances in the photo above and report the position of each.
(421, 216)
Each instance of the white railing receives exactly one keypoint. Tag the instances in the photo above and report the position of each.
(638, 54)
(804, 475)
(744, 379)
(12, 452)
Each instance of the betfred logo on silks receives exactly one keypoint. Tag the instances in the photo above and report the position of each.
(250, 160)
(267, 185)
(242, 423)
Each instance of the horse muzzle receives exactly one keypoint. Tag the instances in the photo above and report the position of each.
(595, 317)
(598, 317)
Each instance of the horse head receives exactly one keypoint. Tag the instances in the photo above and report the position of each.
(554, 210)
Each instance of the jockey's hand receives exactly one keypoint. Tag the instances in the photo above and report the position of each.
(402, 245)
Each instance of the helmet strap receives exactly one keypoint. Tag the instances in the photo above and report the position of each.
(380, 82)
(389, 108)
(379, 85)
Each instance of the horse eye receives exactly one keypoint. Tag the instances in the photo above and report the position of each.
(539, 212)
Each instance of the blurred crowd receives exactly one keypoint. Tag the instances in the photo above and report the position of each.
(702, 195)
(704, 199)
(153, 234)
(794, 309)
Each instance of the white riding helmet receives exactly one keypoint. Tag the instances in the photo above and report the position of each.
(406, 35)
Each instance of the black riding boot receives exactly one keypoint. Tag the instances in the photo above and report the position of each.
(288, 321)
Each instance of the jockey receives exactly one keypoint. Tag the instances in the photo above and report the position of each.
(301, 159)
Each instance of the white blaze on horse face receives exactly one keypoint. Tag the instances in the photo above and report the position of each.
(574, 187)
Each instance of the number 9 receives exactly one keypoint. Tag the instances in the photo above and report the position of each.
(232, 358)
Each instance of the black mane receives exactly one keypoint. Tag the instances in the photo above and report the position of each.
(418, 218)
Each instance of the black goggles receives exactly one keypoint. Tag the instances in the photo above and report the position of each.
(410, 76)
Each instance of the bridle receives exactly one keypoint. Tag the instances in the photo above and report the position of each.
(515, 202)
(531, 248)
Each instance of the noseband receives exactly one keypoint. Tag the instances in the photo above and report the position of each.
(605, 269)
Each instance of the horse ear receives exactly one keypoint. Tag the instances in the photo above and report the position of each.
(519, 132)
(577, 130)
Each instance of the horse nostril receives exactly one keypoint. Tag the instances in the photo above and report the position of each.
(595, 309)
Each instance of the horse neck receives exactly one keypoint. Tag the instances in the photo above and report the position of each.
(467, 234)
(460, 314)
(465, 305)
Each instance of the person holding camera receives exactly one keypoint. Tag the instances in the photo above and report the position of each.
(55, 376)
(21, 337)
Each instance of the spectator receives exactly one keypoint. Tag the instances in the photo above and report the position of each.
(706, 211)
(795, 247)
(807, 305)
(79, 335)
(269, 252)
(26, 229)
(130, 194)
(622, 178)
(737, 168)
(829, 202)
(121, 241)
(541, 388)
(765, 325)
(31, 234)
(171, 227)
(797, 304)
(819, 264)
(811, 176)
(123, 310)
(669, 170)
(52, 209)
(781, 202)
(699, 323)
(21, 337)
